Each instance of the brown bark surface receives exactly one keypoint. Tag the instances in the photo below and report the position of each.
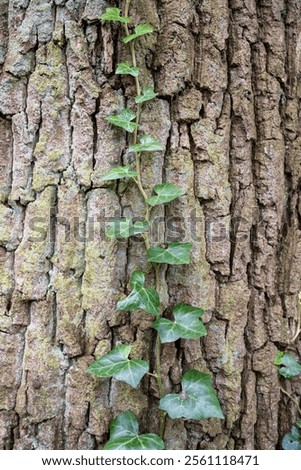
(228, 117)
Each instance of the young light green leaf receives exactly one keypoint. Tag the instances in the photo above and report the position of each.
(114, 14)
(186, 325)
(141, 298)
(166, 192)
(116, 364)
(125, 227)
(147, 144)
(291, 365)
(124, 435)
(196, 401)
(119, 172)
(123, 120)
(125, 68)
(148, 94)
(139, 30)
(292, 440)
(176, 253)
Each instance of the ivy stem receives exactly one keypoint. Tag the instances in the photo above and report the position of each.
(138, 181)
(291, 398)
(298, 326)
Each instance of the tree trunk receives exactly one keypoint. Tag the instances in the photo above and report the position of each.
(228, 116)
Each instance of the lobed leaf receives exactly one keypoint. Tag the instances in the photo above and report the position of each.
(125, 228)
(148, 94)
(166, 192)
(114, 14)
(116, 364)
(119, 172)
(139, 30)
(291, 365)
(123, 120)
(292, 440)
(125, 68)
(176, 253)
(124, 435)
(141, 298)
(147, 144)
(196, 401)
(186, 325)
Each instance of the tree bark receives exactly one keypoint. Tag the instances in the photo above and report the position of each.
(228, 117)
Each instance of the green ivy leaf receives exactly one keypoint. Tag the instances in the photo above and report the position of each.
(176, 253)
(291, 366)
(116, 364)
(140, 298)
(140, 30)
(148, 94)
(119, 172)
(125, 68)
(147, 144)
(124, 435)
(123, 120)
(166, 192)
(196, 401)
(186, 325)
(114, 14)
(292, 440)
(124, 228)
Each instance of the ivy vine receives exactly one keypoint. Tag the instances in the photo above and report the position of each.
(197, 400)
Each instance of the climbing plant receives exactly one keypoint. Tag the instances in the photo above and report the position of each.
(289, 367)
(197, 399)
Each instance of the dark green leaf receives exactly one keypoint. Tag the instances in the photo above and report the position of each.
(292, 440)
(291, 365)
(113, 14)
(119, 172)
(196, 401)
(147, 144)
(140, 30)
(140, 298)
(124, 435)
(125, 68)
(186, 325)
(166, 192)
(148, 94)
(176, 253)
(124, 228)
(116, 364)
(123, 120)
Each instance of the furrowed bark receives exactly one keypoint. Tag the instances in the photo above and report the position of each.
(228, 117)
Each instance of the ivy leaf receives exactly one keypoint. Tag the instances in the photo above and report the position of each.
(291, 366)
(125, 68)
(147, 144)
(119, 172)
(124, 228)
(292, 440)
(124, 435)
(186, 325)
(196, 401)
(140, 298)
(139, 30)
(166, 192)
(176, 253)
(123, 120)
(116, 364)
(148, 94)
(114, 14)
